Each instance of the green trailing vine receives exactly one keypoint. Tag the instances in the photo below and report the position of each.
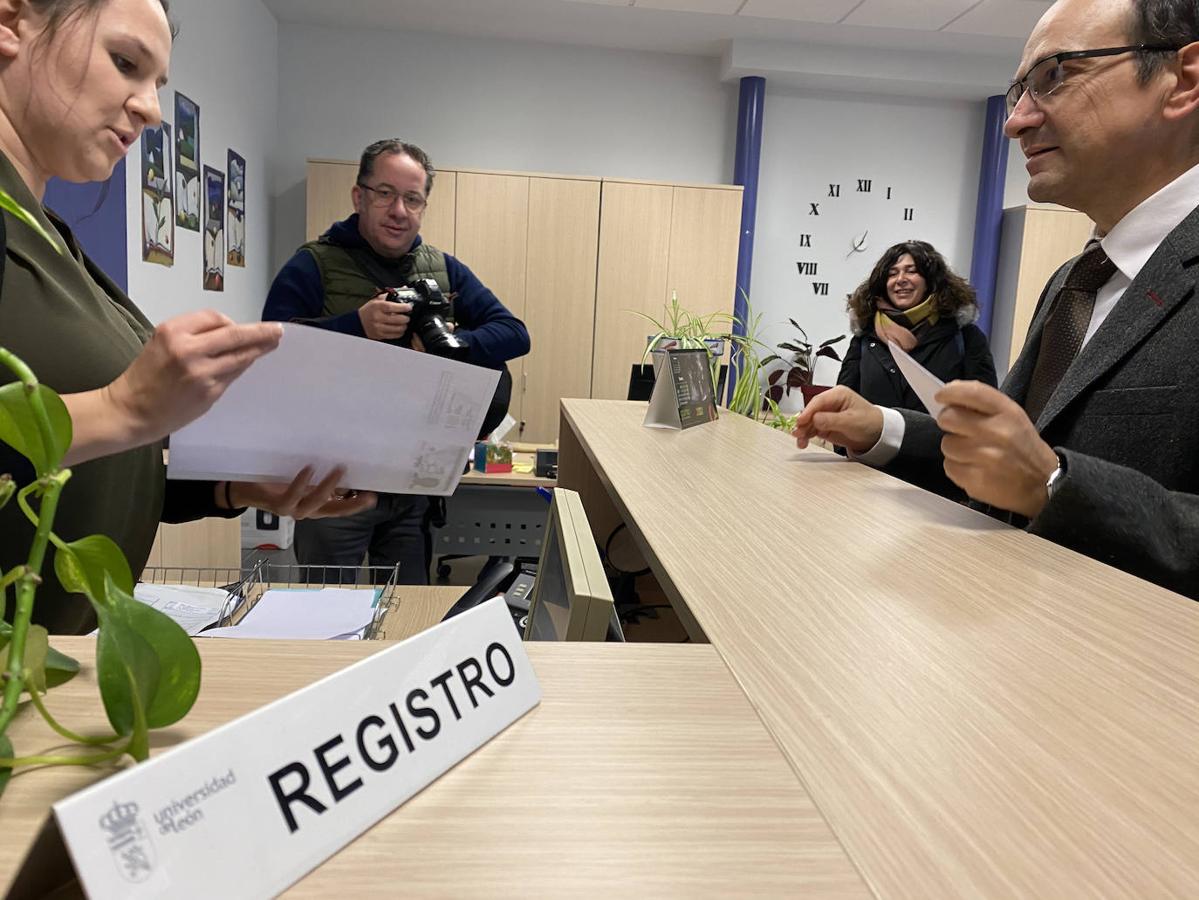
(147, 667)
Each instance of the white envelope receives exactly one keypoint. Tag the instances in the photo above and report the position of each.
(923, 382)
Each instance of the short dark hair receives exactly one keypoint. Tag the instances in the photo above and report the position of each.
(59, 11)
(953, 292)
(366, 166)
(1170, 23)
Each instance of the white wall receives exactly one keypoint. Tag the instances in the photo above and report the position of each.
(226, 60)
(927, 151)
(495, 104)
(1015, 192)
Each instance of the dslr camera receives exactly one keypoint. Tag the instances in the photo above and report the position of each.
(428, 317)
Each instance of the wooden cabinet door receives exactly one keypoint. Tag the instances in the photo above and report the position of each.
(492, 230)
(704, 228)
(438, 225)
(559, 300)
(634, 248)
(328, 188)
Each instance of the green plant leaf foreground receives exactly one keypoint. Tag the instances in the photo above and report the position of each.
(147, 667)
(82, 566)
(19, 428)
(8, 203)
(6, 752)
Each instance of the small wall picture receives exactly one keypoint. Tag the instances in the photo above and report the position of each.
(158, 208)
(237, 210)
(214, 229)
(187, 163)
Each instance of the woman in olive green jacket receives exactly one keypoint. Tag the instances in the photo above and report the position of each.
(79, 80)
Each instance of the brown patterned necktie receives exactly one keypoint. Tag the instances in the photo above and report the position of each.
(1066, 325)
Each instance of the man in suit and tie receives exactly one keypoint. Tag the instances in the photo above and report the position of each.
(1092, 441)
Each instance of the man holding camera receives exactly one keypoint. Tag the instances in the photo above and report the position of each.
(372, 276)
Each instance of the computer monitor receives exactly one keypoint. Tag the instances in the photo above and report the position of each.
(571, 599)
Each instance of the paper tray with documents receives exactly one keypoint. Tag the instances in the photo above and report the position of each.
(245, 587)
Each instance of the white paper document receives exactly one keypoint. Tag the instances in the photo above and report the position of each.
(398, 420)
(923, 382)
(192, 608)
(305, 615)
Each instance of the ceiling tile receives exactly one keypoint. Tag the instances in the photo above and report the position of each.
(924, 15)
(828, 11)
(1002, 18)
(724, 7)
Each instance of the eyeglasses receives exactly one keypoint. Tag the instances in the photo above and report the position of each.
(385, 196)
(1048, 74)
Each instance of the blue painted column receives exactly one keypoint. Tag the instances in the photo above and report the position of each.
(988, 221)
(750, 113)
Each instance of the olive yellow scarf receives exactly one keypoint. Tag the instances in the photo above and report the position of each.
(901, 325)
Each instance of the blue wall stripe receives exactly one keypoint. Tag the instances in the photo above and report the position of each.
(750, 112)
(988, 222)
(101, 231)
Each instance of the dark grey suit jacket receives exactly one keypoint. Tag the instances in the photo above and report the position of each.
(1125, 418)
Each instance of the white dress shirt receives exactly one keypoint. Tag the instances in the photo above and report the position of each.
(1130, 244)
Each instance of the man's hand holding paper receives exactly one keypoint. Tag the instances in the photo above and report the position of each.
(992, 451)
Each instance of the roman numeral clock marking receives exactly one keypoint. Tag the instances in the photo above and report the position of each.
(852, 219)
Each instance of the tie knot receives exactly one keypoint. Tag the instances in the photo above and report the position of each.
(1092, 270)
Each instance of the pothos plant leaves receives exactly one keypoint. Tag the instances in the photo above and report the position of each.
(147, 667)
(6, 752)
(82, 565)
(8, 203)
(55, 668)
(18, 426)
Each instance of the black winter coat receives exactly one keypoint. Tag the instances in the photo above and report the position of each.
(948, 350)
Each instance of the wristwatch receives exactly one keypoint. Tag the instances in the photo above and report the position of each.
(1055, 477)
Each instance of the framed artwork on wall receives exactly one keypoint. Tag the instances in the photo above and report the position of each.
(158, 210)
(214, 229)
(187, 163)
(236, 229)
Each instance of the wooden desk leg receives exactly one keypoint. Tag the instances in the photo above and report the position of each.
(576, 472)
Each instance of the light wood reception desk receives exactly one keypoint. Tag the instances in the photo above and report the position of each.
(976, 711)
(644, 772)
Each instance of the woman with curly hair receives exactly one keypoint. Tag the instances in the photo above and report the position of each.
(913, 299)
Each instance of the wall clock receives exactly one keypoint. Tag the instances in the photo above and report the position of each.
(847, 224)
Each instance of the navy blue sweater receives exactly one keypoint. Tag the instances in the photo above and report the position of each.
(491, 333)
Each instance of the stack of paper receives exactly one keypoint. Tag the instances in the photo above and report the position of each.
(193, 608)
(313, 615)
(408, 434)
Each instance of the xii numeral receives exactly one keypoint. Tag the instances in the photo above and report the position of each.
(808, 268)
(805, 240)
(820, 288)
(864, 186)
(908, 214)
(834, 190)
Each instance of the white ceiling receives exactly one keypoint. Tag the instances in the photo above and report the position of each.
(702, 27)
